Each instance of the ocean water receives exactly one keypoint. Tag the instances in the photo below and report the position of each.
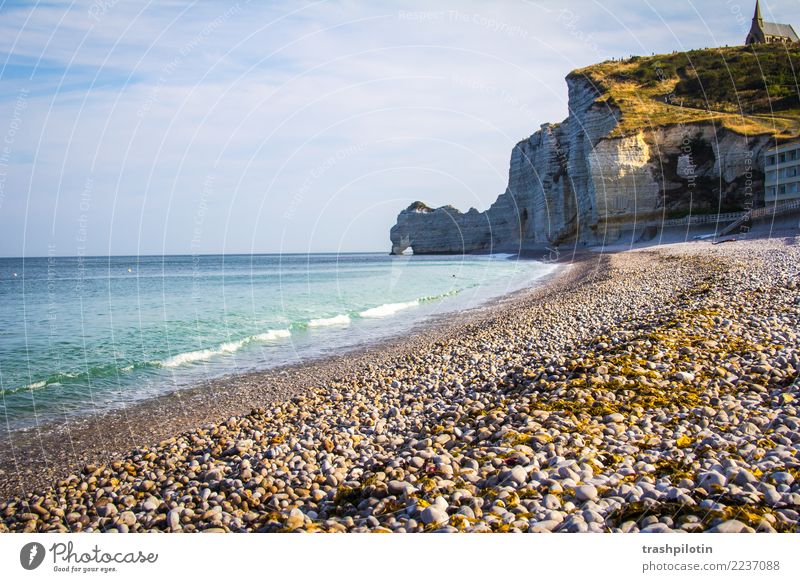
(84, 334)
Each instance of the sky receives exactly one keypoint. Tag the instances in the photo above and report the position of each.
(261, 127)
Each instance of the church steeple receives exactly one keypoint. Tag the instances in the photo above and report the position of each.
(769, 32)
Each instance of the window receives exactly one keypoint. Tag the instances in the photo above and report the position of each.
(792, 155)
(771, 191)
(771, 161)
(782, 158)
(791, 172)
(782, 189)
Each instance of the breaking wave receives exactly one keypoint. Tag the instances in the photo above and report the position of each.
(224, 348)
(326, 321)
(388, 309)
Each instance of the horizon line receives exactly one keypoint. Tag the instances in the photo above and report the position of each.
(218, 254)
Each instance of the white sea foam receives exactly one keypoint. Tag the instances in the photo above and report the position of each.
(26, 388)
(388, 309)
(223, 348)
(326, 321)
(200, 355)
(272, 335)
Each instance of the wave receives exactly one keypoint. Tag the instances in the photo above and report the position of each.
(201, 355)
(326, 321)
(223, 348)
(388, 309)
(385, 310)
(226, 348)
(53, 380)
(272, 334)
(110, 370)
(32, 386)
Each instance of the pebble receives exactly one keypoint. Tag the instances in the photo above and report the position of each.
(543, 526)
(517, 475)
(661, 377)
(657, 528)
(551, 501)
(174, 519)
(771, 495)
(296, 519)
(731, 526)
(433, 515)
(586, 493)
(396, 487)
(782, 478)
(127, 518)
(710, 480)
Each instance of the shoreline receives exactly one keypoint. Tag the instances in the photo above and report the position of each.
(50, 385)
(646, 391)
(55, 449)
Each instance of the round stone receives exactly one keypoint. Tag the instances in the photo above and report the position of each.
(517, 475)
(128, 518)
(586, 492)
(433, 514)
(710, 480)
(731, 526)
(174, 519)
(396, 487)
(296, 519)
(657, 528)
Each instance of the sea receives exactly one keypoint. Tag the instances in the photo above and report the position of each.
(80, 335)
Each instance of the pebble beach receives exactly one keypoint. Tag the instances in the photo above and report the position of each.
(654, 390)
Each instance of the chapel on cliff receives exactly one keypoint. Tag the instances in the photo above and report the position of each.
(762, 32)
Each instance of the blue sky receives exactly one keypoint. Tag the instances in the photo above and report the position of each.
(181, 127)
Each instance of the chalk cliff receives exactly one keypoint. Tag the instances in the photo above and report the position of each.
(627, 157)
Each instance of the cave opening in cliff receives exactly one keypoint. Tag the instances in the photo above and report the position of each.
(523, 221)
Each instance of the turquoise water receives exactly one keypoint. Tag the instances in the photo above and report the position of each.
(87, 334)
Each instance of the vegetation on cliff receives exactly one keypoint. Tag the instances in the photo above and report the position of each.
(752, 90)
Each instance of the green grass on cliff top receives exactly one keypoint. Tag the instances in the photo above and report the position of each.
(753, 90)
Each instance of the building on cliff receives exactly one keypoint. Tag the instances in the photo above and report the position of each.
(782, 169)
(762, 32)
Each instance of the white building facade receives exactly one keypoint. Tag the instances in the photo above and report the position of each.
(782, 173)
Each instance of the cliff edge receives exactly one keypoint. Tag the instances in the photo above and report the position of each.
(647, 139)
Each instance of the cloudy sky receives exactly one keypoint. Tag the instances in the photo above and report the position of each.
(181, 127)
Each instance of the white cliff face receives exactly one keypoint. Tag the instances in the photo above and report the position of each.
(623, 181)
(574, 183)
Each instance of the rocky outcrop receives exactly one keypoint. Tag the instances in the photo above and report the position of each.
(577, 182)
